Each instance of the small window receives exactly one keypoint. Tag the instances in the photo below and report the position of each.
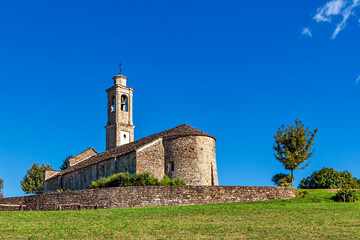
(113, 104)
(171, 166)
(124, 103)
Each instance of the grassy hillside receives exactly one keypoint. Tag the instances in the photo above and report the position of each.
(315, 216)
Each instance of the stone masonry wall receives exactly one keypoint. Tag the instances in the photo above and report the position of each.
(81, 179)
(82, 156)
(148, 196)
(150, 159)
(193, 159)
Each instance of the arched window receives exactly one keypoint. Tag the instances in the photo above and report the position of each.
(124, 103)
(113, 104)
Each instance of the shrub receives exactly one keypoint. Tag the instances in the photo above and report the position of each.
(328, 178)
(63, 190)
(302, 193)
(127, 179)
(345, 195)
(166, 181)
(282, 180)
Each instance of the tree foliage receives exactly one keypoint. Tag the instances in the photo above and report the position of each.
(348, 180)
(65, 164)
(33, 182)
(293, 146)
(329, 178)
(358, 180)
(281, 180)
(1, 187)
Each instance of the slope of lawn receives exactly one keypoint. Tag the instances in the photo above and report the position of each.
(316, 216)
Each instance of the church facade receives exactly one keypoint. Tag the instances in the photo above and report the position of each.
(183, 151)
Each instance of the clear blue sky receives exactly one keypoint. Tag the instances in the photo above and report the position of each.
(234, 69)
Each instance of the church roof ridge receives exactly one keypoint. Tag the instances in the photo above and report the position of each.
(182, 130)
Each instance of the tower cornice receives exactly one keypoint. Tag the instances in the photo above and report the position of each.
(120, 86)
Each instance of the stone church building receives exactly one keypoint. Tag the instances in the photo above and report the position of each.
(183, 151)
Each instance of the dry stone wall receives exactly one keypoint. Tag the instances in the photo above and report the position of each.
(148, 196)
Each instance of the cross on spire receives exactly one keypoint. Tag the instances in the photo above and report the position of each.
(120, 69)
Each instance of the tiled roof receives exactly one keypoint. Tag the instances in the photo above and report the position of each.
(179, 131)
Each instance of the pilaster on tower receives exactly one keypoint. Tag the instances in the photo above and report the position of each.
(119, 128)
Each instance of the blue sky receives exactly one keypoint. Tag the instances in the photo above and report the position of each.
(234, 69)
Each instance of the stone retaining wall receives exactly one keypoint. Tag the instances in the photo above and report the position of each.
(148, 196)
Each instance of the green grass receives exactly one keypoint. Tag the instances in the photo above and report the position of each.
(314, 217)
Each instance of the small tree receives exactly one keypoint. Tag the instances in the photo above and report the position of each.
(1, 187)
(33, 182)
(65, 164)
(293, 146)
(281, 179)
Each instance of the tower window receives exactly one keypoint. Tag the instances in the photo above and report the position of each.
(124, 103)
(113, 104)
(171, 166)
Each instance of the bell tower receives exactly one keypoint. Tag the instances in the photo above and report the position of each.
(119, 128)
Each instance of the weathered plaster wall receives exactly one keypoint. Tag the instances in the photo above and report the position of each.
(125, 197)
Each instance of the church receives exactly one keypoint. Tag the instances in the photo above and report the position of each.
(181, 152)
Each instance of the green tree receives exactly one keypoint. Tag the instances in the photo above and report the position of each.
(293, 146)
(1, 187)
(65, 164)
(358, 181)
(348, 181)
(327, 178)
(33, 182)
(323, 178)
